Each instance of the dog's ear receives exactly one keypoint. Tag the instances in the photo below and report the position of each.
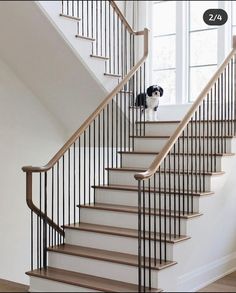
(150, 91)
(161, 91)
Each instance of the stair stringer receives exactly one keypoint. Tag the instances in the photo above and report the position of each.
(81, 47)
(210, 254)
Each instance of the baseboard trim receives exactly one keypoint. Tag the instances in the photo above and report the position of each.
(205, 275)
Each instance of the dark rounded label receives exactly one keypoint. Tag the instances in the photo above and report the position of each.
(215, 16)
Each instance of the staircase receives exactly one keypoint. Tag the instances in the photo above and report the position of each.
(111, 206)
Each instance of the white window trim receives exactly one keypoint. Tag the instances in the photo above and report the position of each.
(182, 50)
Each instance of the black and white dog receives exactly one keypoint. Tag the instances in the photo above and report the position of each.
(150, 101)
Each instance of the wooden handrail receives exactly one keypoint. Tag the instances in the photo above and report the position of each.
(172, 140)
(122, 17)
(93, 116)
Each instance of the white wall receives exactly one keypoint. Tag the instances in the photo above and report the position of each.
(28, 135)
(47, 63)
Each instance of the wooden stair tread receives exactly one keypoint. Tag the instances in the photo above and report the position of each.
(125, 232)
(178, 121)
(126, 92)
(107, 255)
(134, 210)
(85, 281)
(85, 38)
(112, 74)
(135, 189)
(186, 154)
(190, 136)
(99, 57)
(158, 122)
(70, 17)
(133, 169)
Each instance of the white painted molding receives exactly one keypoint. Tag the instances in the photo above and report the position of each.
(205, 275)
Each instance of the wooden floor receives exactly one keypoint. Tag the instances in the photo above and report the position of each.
(226, 284)
(6, 286)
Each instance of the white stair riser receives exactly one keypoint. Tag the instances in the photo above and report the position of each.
(130, 198)
(158, 129)
(127, 178)
(43, 285)
(192, 145)
(144, 161)
(110, 270)
(169, 128)
(127, 220)
(112, 242)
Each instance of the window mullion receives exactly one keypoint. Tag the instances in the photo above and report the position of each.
(181, 52)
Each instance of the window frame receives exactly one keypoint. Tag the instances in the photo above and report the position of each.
(182, 84)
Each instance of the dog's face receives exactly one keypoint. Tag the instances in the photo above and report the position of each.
(155, 91)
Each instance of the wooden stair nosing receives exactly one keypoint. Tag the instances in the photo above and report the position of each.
(134, 210)
(124, 232)
(85, 281)
(99, 57)
(109, 256)
(70, 17)
(190, 136)
(85, 38)
(178, 121)
(112, 75)
(158, 122)
(131, 169)
(186, 154)
(135, 189)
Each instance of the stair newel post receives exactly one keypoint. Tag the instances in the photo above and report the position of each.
(139, 236)
(45, 239)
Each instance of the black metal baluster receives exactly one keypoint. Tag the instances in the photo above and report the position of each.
(165, 213)
(144, 238)
(32, 240)
(99, 151)
(149, 234)
(174, 156)
(45, 239)
(203, 140)
(183, 182)
(63, 192)
(112, 134)
(224, 122)
(89, 163)
(170, 175)
(40, 207)
(52, 191)
(79, 171)
(69, 186)
(108, 140)
(178, 160)
(103, 144)
(121, 127)
(85, 165)
(200, 147)
(155, 220)
(187, 168)
(192, 165)
(160, 218)
(117, 123)
(74, 173)
(58, 200)
(139, 236)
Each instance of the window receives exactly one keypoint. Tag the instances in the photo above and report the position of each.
(202, 47)
(183, 43)
(164, 45)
